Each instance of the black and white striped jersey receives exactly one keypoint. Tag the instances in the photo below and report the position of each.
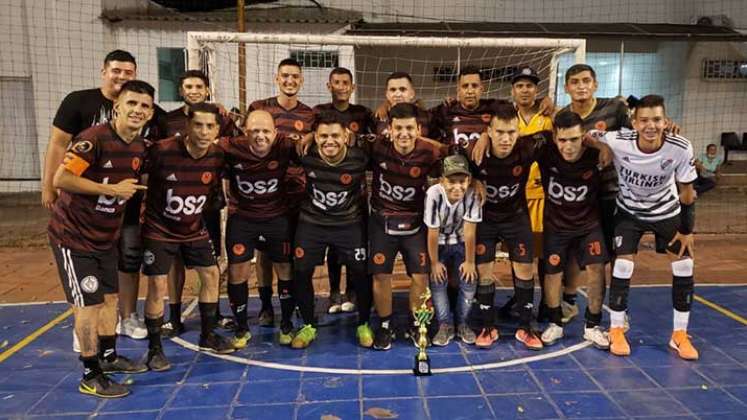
(449, 217)
(647, 181)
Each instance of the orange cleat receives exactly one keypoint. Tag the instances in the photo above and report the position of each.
(680, 342)
(529, 339)
(486, 338)
(618, 343)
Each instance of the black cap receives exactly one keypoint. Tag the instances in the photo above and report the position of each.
(525, 72)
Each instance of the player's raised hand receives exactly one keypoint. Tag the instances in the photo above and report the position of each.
(672, 127)
(547, 106)
(605, 156)
(127, 188)
(382, 111)
(49, 196)
(687, 244)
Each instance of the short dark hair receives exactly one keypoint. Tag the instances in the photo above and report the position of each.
(138, 86)
(468, 70)
(399, 75)
(206, 108)
(120, 55)
(711, 145)
(650, 101)
(579, 68)
(289, 62)
(504, 111)
(566, 119)
(403, 111)
(196, 74)
(340, 71)
(327, 118)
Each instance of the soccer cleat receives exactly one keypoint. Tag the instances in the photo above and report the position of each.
(76, 342)
(529, 339)
(226, 322)
(486, 338)
(348, 302)
(598, 338)
(122, 365)
(383, 339)
(444, 335)
(215, 343)
(132, 327)
(172, 329)
(103, 387)
(335, 303)
(157, 361)
(680, 342)
(241, 339)
(285, 337)
(569, 312)
(365, 336)
(304, 337)
(552, 334)
(266, 318)
(618, 343)
(465, 333)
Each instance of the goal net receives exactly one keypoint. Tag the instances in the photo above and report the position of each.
(433, 63)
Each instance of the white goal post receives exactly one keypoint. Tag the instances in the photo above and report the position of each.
(202, 56)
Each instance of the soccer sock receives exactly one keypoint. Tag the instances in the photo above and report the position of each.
(485, 300)
(681, 320)
(175, 313)
(617, 319)
(592, 320)
(524, 293)
(287, 303)
(208, 318)
(91, 367)
(622, 271)
(265, 296)
(238, 295)
(569, 298)
(364, 289)
(385, 320)
(304, 294)
(556, 315)
(107, 347)
(334, 272)
(153, 325)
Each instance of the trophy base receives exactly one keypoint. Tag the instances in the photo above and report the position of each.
(422, 367)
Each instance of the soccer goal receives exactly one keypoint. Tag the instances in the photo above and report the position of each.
(432, 62)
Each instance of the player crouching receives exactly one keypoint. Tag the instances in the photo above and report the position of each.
(182, 177)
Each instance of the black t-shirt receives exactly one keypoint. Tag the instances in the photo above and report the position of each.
(85, 108)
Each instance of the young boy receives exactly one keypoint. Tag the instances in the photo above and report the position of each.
(452, 212)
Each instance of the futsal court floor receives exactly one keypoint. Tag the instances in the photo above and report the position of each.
(334, 379)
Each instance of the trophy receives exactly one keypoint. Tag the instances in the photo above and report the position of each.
(423, 317)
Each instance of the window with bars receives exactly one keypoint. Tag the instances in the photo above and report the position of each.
(316, 59)
(724, 69)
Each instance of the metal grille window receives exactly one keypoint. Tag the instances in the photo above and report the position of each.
(724, 70)
(316, 59)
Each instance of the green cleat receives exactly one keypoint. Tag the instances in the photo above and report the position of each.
(286, 336)
(365, 336)
(304, 337)
(241, 339)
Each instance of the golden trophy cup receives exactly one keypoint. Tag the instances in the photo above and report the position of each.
(423, 317)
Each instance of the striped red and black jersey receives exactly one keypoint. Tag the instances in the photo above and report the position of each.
(505, 178)
(257, 190)
(92, 223)
(180, 188)
(176, 124)
(459, 127)
(357, 118)
(296, 121)
(334, 192)
(424, 118)
(399, 182)
(571, 190)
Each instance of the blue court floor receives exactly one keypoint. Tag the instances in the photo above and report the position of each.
(334, 379)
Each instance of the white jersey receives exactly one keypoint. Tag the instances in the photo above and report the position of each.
(449, 218)
(647, 181)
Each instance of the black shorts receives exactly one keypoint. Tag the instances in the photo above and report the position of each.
(588, 245)
(607, 209)
(272, 236)
(629, 229)
(383, 248)
(348, 242)
(86, 276)
(158, 256)
(516, 232)
(130, 249)
(212, 224)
